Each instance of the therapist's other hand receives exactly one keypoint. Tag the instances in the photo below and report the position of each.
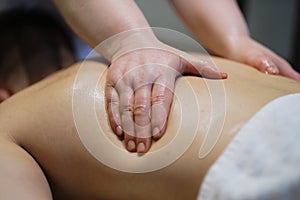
(246, 50)
(139, 92)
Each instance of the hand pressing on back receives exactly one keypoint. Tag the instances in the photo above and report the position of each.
(139, 91)
(246, 50)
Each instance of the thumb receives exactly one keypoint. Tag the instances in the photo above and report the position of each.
(199, 67)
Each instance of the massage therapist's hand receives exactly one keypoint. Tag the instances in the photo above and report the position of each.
(139, 92)
(246, 50)
(222, 29)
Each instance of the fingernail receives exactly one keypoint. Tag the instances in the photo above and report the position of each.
(119, 131)
(224, 75)
(141, 147)
(269, 66)
(155, 132)
(131, 145)
(271, 70)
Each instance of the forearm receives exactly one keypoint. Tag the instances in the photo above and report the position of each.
(96, 20)
(217, 24)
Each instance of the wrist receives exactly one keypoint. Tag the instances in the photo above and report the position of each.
(127, 41)
(230, 45)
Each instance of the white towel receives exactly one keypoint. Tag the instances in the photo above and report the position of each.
(263, 160)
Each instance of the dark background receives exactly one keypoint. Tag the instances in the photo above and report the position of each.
(289, 7)
(273, 23)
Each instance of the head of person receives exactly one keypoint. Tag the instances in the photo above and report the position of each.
(33, 45)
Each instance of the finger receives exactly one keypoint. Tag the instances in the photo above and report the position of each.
(142, 114)
(113, 110)
(264, 64)
(201, 67)
(126, 110)
(285, 69)
(162, 96)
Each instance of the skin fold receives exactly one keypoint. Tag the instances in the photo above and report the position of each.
(42, 156)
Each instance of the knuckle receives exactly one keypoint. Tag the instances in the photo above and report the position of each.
(141, 110)
(112, 102)
(111, 79)
(126, 108)
(109, 83)
(158, 99)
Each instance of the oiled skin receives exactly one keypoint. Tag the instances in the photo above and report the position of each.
(39, 120)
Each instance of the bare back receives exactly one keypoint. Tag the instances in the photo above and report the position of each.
(40, 120)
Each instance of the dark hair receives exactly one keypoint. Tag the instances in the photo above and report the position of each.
(31, 38)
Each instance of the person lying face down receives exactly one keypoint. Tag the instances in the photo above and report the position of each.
(33, 45)
(45, 153)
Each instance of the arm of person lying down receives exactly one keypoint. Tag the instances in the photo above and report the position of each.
(222, 29)
(54, 123)
(140, 80)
